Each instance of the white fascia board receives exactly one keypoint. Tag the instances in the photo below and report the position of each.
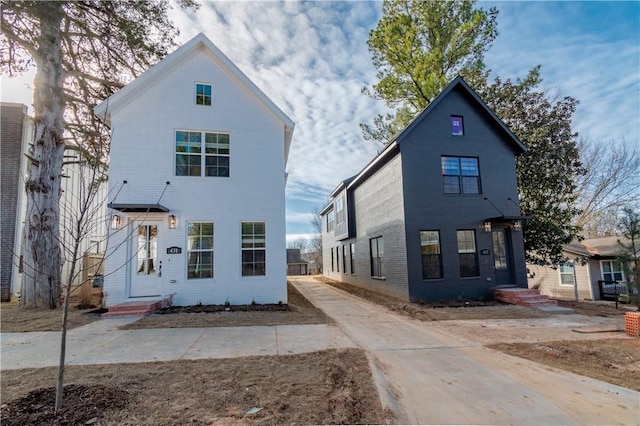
(200, 41)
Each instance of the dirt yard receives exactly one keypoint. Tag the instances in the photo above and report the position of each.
(323, 387)
(14, 319)
(328, 387)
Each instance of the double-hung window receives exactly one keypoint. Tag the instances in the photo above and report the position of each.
(330, 221)
(431, 255)
(253, 248)
(202, 153)
(199, 250)
(467, 254)
(376, 246)
(566, 274)
(461, 175)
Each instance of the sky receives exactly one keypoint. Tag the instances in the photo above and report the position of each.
(311, 59)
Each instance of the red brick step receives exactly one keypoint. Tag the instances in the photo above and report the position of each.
(133, 309)
(524, 297)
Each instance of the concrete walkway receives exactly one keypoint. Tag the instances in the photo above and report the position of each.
(429, 374)
(102, 343)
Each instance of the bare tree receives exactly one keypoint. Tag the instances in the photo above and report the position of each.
(84, 210)
(610, 183)
(630, 228)
(314, 251)
(298, 243)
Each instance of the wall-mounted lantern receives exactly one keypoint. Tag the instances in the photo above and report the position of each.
(173, 222)
(516, 226)
(486, 227)
(115, 222)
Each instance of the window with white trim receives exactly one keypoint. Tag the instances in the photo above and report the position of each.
(203, 94)
(253, 248)
(202, 153)
(567, 272)
(199, 250)
(612, 270)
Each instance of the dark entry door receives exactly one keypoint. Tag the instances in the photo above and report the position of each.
(502, 256)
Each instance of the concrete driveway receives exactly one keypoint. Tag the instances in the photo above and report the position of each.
(430, 374)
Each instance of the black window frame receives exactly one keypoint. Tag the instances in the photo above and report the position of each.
(429, 260)
(468, 269)
(460, 180)
(376, 256)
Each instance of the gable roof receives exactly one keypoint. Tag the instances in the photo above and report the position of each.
(294, 256)
(198, 43)
(390, 150)
(459, 82)
(601, 247)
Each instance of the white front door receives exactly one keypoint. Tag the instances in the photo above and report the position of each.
(144, 260)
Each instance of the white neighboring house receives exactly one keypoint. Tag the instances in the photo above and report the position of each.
(197, 184)
(17, 142)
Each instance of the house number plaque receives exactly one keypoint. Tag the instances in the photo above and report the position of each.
(174, 250)
(485, 252)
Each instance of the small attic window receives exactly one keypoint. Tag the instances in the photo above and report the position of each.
(457, 128)
(203, 94)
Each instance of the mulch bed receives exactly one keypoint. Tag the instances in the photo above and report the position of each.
(267, 307)
(82, 405)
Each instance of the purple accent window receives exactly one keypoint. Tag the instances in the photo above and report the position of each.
(456, 125)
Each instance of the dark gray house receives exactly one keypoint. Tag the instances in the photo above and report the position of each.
(295, 264)
(435, 215)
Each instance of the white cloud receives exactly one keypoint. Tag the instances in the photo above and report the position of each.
(311, 59)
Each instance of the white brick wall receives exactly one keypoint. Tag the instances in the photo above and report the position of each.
(143, 154)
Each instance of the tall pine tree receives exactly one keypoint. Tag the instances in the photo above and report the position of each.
(420, 46)
(83, 51)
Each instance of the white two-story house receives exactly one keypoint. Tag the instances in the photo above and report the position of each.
(196, 184)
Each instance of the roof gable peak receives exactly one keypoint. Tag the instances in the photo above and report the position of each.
(458, 81)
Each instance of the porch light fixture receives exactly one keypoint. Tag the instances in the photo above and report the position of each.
(115, 222)
(486, 227)
(172, 222)
(516, 226)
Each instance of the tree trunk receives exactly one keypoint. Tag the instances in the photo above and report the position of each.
(42, 260)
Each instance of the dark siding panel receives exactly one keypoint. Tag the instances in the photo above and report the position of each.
(428, 208)
(379, 210)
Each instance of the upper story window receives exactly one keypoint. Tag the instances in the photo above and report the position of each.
(202, 154)
(461, 175)
(330, 221)
(203, 94)
(340, 212)
(457, 128)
